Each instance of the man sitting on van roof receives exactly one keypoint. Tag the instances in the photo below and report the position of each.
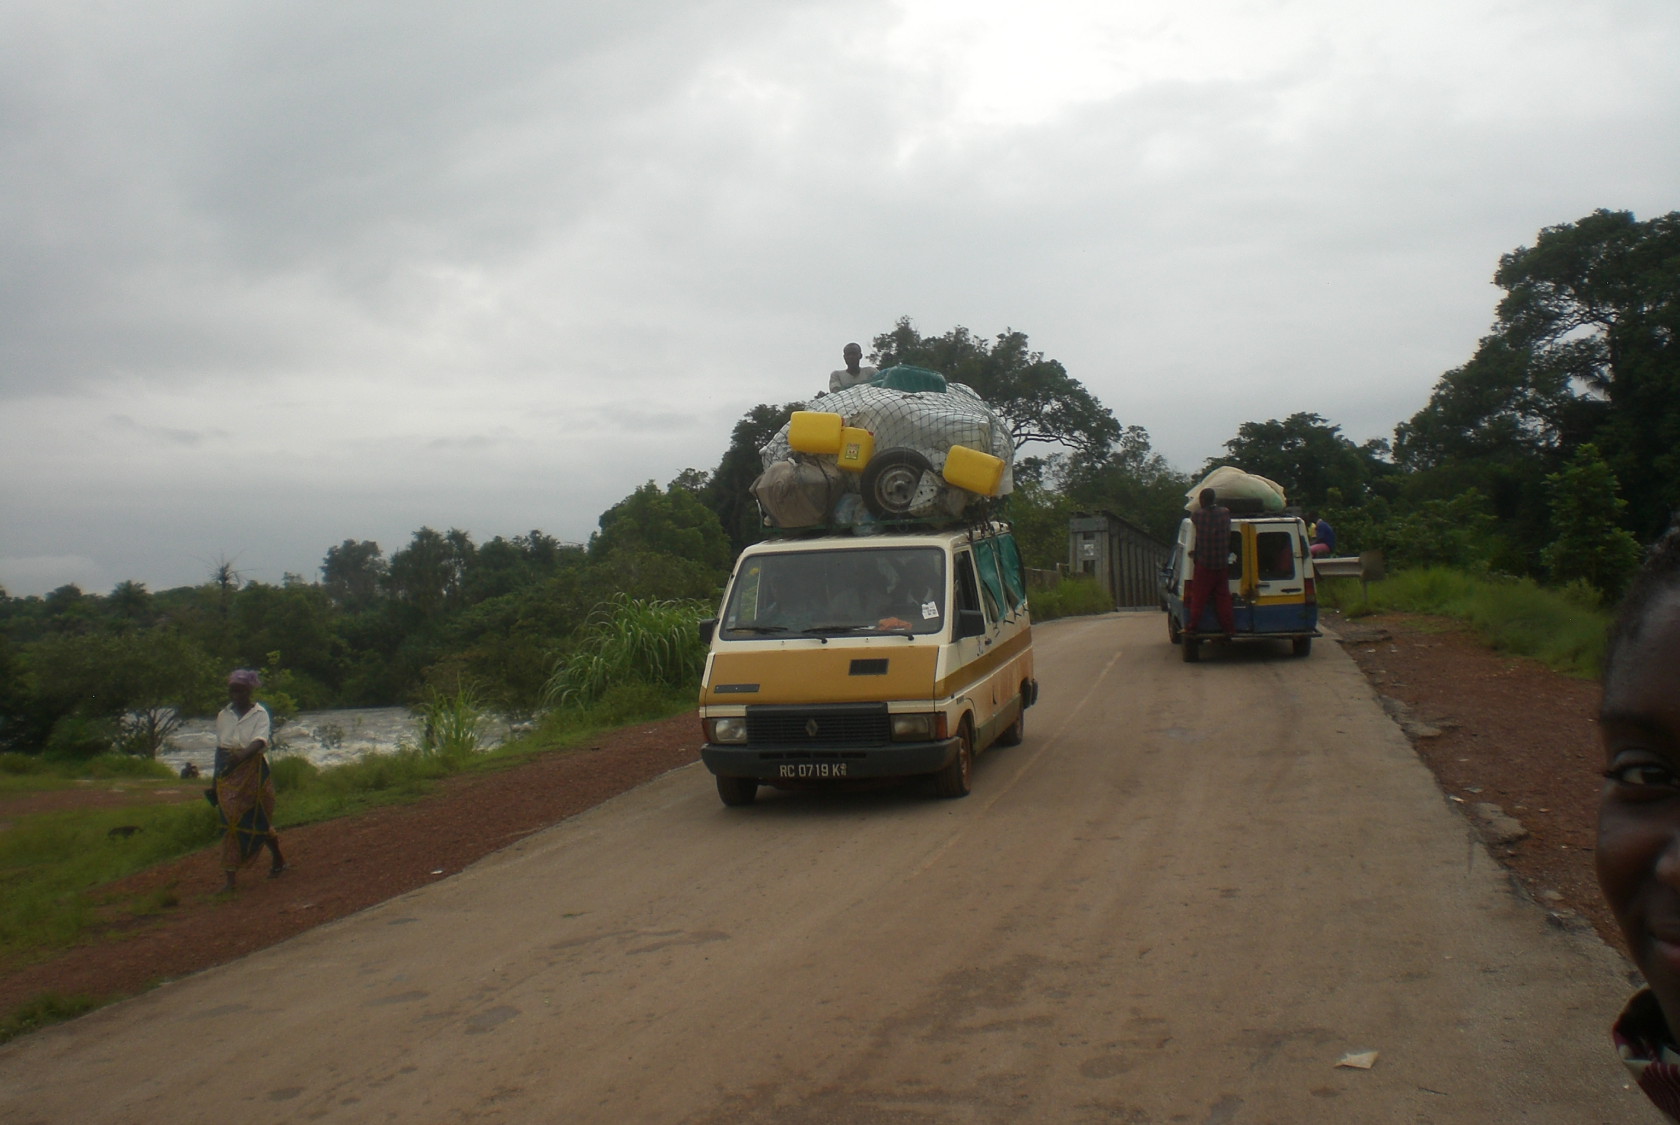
(1212, 574)
(853, 373)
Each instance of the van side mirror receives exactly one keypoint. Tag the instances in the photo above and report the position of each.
(707, 628)
(970, 623)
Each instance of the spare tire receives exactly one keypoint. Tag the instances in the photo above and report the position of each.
(890, 481)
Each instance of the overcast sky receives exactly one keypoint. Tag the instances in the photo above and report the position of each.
(273, 275)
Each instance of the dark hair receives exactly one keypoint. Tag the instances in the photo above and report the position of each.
(1659, 575)
(1312, 516)
(1208, 497)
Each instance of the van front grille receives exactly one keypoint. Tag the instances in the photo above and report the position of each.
(860, 724)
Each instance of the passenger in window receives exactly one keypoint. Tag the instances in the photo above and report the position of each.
(1638, 851)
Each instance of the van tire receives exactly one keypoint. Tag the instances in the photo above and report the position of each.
(957, 778)
(890, 481)
(1173, 633)
(1016, 731)
(1192, 649)
(1301, 646)
(737, 791)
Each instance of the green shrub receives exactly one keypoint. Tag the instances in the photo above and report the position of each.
(291, 771)
(451, 725)
(1071, 597)
(78, 736)
(20, 764)
(631, 640)
(1591, 546)
(1564, 628)
(618, 706)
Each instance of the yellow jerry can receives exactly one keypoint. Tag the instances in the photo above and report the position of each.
(814, 431)
(857, 446)
(973, 470)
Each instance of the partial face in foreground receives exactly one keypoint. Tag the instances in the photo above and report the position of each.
(1639, 808)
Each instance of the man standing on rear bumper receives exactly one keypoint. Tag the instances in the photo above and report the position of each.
(1212, 556)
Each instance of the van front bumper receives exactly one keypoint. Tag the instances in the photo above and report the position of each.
(771, 764)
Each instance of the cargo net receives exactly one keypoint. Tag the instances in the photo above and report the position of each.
(801, 489)
(928, 422)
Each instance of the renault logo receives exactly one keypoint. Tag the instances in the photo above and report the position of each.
(810, 728)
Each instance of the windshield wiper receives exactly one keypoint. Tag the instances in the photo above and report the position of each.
(823, 632)
(758, 629)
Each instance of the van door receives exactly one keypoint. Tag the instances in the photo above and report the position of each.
(1280, 600)
(967, 678)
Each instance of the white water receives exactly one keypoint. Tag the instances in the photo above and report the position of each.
(326, 738)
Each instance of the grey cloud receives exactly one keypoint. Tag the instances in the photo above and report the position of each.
(191, 438)
(565, 247)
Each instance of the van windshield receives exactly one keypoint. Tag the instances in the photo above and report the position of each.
(835, 593)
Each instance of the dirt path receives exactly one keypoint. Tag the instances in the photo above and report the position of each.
(1511, 732)
(341, 866)
(1188, 894)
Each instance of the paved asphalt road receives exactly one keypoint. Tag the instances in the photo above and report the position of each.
(1183, 898)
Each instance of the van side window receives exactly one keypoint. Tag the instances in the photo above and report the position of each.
(1014, 589)
(991, 585)
(968, 590)
(1275, 552)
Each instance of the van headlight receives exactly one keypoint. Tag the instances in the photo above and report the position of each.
(913, 728)
(728, 730)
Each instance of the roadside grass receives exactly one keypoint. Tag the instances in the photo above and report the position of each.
(1562, 628)
(27, 773)
(47, 1008)
(52, 865)
(1071, 597)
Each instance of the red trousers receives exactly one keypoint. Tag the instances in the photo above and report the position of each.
(1218, 583)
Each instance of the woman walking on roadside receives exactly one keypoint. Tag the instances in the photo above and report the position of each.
(244, 790)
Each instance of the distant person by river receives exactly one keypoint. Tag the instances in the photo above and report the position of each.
(244, 789)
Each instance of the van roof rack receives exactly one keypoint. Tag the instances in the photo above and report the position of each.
(983, 516)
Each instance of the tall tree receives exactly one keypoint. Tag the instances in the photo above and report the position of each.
(1307, 455)
(351, 573)
(1036, 397)
(427, 575)
(1586, 346)
(654, 522)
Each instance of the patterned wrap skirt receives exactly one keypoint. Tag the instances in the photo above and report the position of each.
(245, 806)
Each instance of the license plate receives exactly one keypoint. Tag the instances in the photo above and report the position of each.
(812, 770)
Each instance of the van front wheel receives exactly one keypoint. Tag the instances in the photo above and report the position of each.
(957, 778)
(737, 791)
